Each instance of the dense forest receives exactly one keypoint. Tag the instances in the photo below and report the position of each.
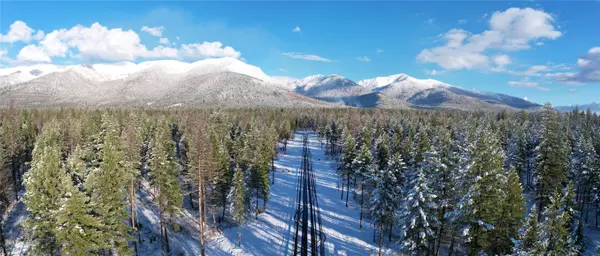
(428, 182)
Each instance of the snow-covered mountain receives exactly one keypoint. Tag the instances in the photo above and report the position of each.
(594, 107)
(224, 82)
(403, 91)
(228, 82)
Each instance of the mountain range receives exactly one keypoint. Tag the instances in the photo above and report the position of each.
(228, 82)
(593, 107)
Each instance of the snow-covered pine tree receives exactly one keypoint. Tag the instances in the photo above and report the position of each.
(396, 167)
(108, 185)
(483, 199)
(528, 236)
(553, 160)
(386, 193)
(164, 178)
(382, 152)
(363, 167)
(79, 231)
(240, 202)
(346, 167)
(511, 211)
(415, 215)
(44, 191)
(554, 235)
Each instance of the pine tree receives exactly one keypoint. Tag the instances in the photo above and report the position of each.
(416, 214)
(108, 184)
(553, 157)
(78, 230)
(528, 236)
(240, 202)
(512, 208)
(346, 165)
(384, 201)
(484, 196)
(363, 165)
(554, 235)
(44, 191)
(164, 178)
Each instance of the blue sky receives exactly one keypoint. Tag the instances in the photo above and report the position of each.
(544, 51)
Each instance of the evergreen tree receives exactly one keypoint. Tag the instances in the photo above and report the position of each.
(108, 185)
(528, 236)
(384, 201)
(78, 230)
(164, 178)
(484, 197)
(415, 215)
(44, 191)
(346, 165)
(363, 165)
(553, 157)
(512, 208)
(240, 202)
(554, 235)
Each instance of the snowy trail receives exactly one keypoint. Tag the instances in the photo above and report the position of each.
(273, 232)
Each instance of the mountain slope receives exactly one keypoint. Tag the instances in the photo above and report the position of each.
(222, 82)
(228, 82)
(593, 107)
(403, 91)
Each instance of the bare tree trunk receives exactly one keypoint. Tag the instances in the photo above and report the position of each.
(201, 208)
(132, 207)
(162, 231)
(347, 190)
(167, 239)
(239, 235)
(2, 239)
(361, 204)
(380, 239)
(273, 168)
(342, 197)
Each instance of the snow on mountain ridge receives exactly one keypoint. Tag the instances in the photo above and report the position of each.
(120, 70)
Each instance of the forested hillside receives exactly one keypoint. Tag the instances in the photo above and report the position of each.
(141, 182)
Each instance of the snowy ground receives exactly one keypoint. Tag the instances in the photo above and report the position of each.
(272, 233)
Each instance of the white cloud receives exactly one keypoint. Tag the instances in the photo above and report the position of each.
(528, 84)
(430, 21)
(500, 61)
(154, 31)
(164, 40)
(296, 29)
(99, 43)
(589, 70)
(539, 43)
(33, 53)
(3, 52)
(525, 98)
(513, 29)
(378, 51)
(208, 50)
(303, 56)
(282, 70)
(462, 21)
(19, 31)
(572, 90)
(363, 59)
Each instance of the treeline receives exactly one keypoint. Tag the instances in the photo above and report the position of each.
(460, 181)
(79, 172)
(431, 181)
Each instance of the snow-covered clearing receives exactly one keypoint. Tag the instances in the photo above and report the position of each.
(273, 232)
